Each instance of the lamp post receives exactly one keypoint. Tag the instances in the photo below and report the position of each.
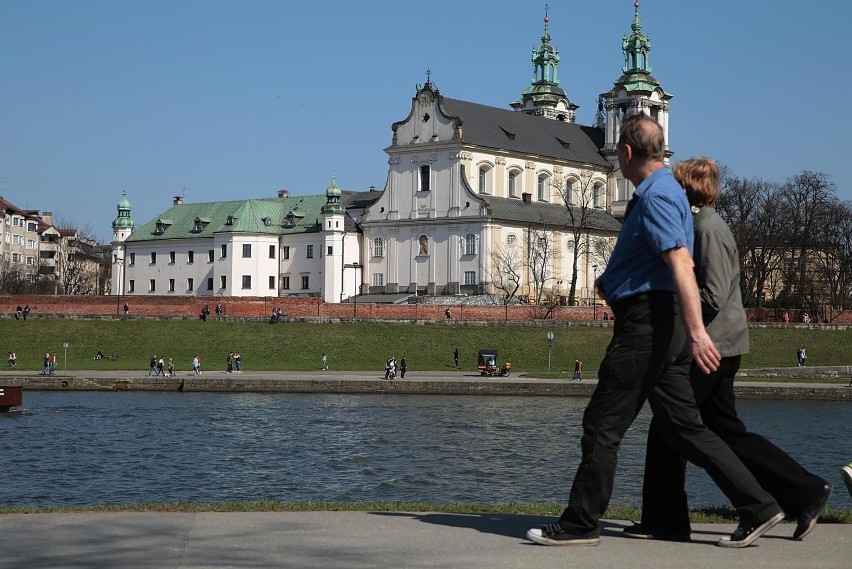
(119, 263)
(355, 265)
(595, 293)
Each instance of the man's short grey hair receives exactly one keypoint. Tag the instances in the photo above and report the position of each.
(644, 135)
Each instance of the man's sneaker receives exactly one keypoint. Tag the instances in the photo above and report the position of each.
(639, 531)
(807, 519)
(553, 534)
(744, 536)
(846, 474)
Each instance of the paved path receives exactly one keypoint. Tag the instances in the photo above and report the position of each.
(355, 540)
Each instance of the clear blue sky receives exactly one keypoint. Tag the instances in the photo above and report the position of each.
(229, 100)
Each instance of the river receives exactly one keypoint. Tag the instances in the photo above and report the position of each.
(85, 448)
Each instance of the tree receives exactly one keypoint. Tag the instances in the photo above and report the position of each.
(507, 271)
(582, 197)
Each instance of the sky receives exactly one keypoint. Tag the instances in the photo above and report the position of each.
(218, 100)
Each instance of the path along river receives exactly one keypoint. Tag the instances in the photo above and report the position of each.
(84, 448)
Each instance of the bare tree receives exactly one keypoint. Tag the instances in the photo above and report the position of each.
(540, 261)
(582, 196)
(507, 271)
(14, 278)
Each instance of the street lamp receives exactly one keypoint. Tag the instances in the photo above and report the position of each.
(595, 293)
(355, 265)
(119, 263)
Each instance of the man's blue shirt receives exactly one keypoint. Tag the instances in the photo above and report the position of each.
(659, 220)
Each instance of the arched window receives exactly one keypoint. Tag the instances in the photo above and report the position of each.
(484, 179)
(424, 245)
(543, 183)
(570, 191)
(511, 240)
(514, 183)
(470, 244)
(598, 195)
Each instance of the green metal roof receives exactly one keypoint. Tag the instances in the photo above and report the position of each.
(268, 215)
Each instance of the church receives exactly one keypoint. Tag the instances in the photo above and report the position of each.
(521, 203)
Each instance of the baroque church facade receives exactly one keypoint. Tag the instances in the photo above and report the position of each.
(478, 200)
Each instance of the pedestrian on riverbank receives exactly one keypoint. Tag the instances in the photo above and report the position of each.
(578, 370)
(171, 368)
(448, 314)
(26, 311)
(126, 309)
(238, 362)
(650, 286)
(196, 365)
(53, 363)
(46, 369)
(10, 359)
(403, 365)
(456, 357)
(324, 360)
(801, 356)
(665, 511)
(161, 366)
(14, 359)
(205, 312)
(219, 309)
(230, 361)
(152, 365)
(19, 312)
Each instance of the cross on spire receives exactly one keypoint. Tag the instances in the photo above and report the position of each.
(428, 76)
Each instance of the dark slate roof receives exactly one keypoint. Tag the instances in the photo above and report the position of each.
(492, 127)
(511, 209)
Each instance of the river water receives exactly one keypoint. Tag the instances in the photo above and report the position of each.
(84, 448)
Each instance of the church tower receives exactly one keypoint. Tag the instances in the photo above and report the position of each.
(636, 91)
(544, 97)
(122, 227)
(333, 218)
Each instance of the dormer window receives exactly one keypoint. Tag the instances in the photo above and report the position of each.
(199, 224)
(291, 218)
(230, 220)
(266, 221)
(161, 226)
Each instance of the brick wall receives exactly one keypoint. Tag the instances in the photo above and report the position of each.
(242, 307)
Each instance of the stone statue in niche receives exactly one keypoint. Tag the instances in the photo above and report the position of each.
(424, 245)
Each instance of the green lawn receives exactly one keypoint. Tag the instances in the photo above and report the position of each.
(359, 346)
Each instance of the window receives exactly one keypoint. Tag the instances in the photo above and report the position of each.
(570, 186)
(17, 222)
(190, 256)
(16, 257)
(378, 247)
(424, 178)
(285, 252)
(223, 281)
(272, 282)
(190, 284)
(132, 287)
(31, 244)
(484, 179)
(31, 261)
(17, 240)
(152, 285)
(133, 258)
(470, 244)
(224, 251)
(542, 188)
(310, 252)
(171, 285)
(378, 279)
(514, 176)
(511, 240)
(32, 226)
(171, 257)
(272, 251)
(285, 283)
(305, 282)
(329, 251)
(153, 258)
(211, 254)
(246, 251)
(210, 283)
(246, 281)
(598, 196)
(470, 277)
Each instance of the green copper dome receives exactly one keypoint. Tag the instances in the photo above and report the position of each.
(123, 221)
(332, 195)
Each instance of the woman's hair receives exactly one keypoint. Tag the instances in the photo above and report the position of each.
(700, 178)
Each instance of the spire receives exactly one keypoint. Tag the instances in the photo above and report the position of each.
(332, 196)
(544, 97)
(123, 220)
(636, 47)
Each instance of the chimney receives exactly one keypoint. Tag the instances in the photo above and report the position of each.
(527, 197)
(47, 217)
(282, 193)
(178, 200)
(372, 188)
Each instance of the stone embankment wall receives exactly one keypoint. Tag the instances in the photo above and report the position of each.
(315, 308)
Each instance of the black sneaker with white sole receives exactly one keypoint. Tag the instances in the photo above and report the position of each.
(554, 534)
(744, 536)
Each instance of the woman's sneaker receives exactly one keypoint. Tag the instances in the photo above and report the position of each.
(553, 534)
(846, 474)
(744, 536)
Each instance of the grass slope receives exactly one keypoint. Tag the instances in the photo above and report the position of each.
(359, 346)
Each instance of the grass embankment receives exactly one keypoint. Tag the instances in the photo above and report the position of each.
(360, 346)
(699, 515)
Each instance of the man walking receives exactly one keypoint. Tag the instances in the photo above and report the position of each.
(651, 288)
(456, 357)
(665, 511)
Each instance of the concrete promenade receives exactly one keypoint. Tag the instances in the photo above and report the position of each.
(353, 540)
(449, 382)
